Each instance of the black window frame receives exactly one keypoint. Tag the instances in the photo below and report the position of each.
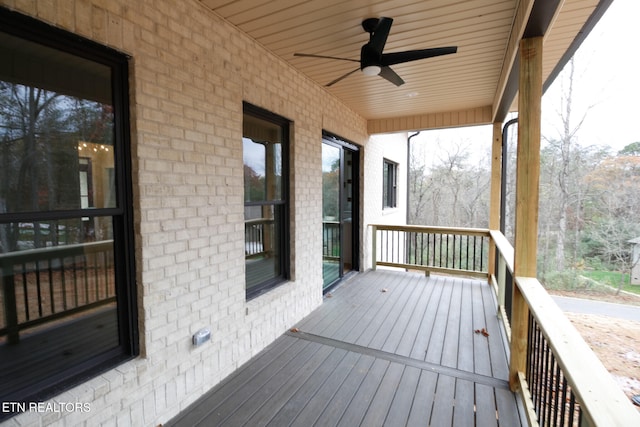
(389, 184)
(33, 30)
(283, 224)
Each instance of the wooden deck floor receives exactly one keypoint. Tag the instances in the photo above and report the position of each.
(386, 348)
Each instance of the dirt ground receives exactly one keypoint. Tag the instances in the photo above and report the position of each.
(615, 341)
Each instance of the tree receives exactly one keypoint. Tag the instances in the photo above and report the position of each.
(39, 167)
(417, 185)
(632, 149)
(612, 211)
(566, 166)
(452, 191)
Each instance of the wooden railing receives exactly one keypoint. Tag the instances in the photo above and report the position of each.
(564, 383)
(331, 240)
(432, 249)
(258, 237)
(501, 276)
(42, 285)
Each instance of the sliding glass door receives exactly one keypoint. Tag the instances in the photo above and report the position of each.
(339, 210)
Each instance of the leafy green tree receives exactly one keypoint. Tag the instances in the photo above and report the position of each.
(331, 191)
(632, 149)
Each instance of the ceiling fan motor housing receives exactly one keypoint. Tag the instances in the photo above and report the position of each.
(370, 60)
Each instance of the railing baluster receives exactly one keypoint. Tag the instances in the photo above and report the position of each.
(422, 250)
(85, 268)
(393, 245)
(374, 247)
(474, 251)
(453, 250)
(38, 288)
(572, 409)
(96, 274)
(556, 392)
(538, 377)
(25, 291)
(433, 250)
(75, 282)
(51, 290)
(546, 385)
(63, 282)
(563, 411)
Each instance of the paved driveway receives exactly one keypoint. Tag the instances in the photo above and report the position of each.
(578, 305)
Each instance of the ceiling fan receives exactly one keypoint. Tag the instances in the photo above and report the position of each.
(374, 62)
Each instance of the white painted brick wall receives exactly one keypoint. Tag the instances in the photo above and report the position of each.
(391, 147)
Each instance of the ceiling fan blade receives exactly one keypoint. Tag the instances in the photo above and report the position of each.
(390, 75)
(414, 55)
(379, 36)
(308, 55)
(344, 76)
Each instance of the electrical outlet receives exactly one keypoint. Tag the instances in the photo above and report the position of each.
(202, 336)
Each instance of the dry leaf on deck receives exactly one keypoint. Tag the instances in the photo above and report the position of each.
(482, 331)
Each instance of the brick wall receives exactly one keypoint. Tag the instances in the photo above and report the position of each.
(190, 73)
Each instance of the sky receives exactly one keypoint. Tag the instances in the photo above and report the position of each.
(607, 84)
(606, 91)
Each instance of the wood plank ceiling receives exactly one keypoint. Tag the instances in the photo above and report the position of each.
(451, 84)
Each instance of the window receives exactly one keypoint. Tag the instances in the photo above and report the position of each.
(265, 154)
(67, 297)
(389, 184)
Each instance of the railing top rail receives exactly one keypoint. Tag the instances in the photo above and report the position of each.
(602, 400)
(436, 230)
(504, 247)
(59, 251)
(258, 221)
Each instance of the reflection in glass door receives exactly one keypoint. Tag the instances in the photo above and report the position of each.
(339, 233)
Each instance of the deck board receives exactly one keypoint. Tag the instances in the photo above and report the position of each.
(400, 409)
(288, 398)
(486, 407)
(335, 409)
(405, 356)
(466, 336)
(360, 402)
(425, 397)
(325, 394)
(481, 354)
(451, 343)
(443, 404)
(433, 352)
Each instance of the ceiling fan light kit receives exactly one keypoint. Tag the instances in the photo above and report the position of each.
(371, 70)
(373, 62)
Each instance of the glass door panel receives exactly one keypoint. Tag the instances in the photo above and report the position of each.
(347, 211)
(331, 235)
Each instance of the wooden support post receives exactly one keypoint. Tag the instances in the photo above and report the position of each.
(374, 246)
(494, 202)
(527, 195)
